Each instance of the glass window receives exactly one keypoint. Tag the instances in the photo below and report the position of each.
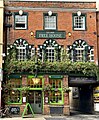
(13, 95)
(21, 53)
(91, 55)
(14, 83)
(50, 53)
(41, 54)
(35, 82)
(56, 92)
(55, 83)
(22, 49)
(20, 22)
(79, 54)
(81, 51)
(79, 22)
(50, 22)
(31, 52)
(55, 97)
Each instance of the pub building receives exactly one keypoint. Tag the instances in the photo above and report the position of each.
(39, 33)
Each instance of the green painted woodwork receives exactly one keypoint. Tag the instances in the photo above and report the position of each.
(52, 34)
(14, 76)
(56, 94)
(25, 110)
(56, 76)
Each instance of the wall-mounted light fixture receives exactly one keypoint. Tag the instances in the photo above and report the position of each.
(69, 34)
(20, 12)
(49, 13)
(79, 13)
(32, 33)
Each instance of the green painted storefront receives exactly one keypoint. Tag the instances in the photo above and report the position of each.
(45, 94)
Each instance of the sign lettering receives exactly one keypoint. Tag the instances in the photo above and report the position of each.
(55, 34)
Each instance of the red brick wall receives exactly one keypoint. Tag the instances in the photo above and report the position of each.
(64, 22)
(53, 4)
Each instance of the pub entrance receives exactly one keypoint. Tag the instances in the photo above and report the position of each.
(35, 100)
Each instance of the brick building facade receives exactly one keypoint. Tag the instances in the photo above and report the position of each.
(47, 29)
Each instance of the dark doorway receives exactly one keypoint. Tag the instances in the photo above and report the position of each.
(86, 99)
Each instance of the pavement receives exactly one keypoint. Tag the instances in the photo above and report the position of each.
(50, 117)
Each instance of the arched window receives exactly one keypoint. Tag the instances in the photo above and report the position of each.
(50, 51)
(81, 51)
(21, 46)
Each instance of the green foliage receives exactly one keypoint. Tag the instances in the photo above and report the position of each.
(47, 87)
(66, 89)
(64, 55)
(66, 66)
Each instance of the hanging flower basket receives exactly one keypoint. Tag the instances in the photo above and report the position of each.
(66, 89)
(47, 87)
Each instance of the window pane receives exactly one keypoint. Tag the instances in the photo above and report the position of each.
(55, 97)
(50, 53)
(20, 22)
(79, 22)
(14, 96)
(50, 22)
(56, 92)
(35, 83)
(80, 51)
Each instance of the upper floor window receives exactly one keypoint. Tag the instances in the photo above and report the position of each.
(79, 22)
(23, 50)
(31, 51)
(20, 21)
(50, 22)
(81, 51)
(21, 46)
(50, 51)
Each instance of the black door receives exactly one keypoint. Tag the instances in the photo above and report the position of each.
(86, 99)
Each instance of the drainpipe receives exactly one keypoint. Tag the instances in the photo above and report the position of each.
(1, 45)
(97, 27)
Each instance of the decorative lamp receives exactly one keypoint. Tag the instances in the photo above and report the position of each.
(20, 12)
(79, 13)
(32, 33)
(49, 13)
(69, 34)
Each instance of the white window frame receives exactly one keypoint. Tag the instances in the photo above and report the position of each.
(79, 20)
(50, 57)
(21, 20)
(21, 55)
(31, 52)
(91, 55)
(50, 22)
(79, 55)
